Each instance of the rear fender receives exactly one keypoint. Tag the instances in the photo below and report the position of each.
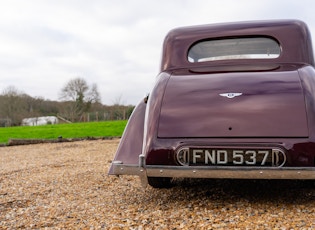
(307, 76)
(130, 146)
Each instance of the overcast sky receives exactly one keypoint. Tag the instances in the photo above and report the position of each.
(115, 44)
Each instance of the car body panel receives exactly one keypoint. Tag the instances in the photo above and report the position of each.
(243, 117)
(293, 35)
(193, 107)
(132, 137)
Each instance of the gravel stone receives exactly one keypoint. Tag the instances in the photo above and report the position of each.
(66, 186)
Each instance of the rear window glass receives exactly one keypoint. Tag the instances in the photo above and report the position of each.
(234, 48)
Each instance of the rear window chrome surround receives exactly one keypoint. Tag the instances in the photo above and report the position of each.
(234, 48)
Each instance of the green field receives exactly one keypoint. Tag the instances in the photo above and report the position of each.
(74, 130)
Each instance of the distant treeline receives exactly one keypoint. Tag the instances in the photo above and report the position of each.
(16, 106)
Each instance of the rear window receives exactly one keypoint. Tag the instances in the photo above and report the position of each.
(234, 48)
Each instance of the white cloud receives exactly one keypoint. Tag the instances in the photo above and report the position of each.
(43, 43)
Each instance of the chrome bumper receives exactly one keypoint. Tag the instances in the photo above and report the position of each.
(301, 173)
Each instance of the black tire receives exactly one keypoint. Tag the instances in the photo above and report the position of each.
(160, 182)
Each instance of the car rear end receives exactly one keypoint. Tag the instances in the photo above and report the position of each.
(250, 125)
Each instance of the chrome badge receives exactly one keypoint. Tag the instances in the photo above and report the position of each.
(230, 95)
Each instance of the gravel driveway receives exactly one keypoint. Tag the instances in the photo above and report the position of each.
(65, 185)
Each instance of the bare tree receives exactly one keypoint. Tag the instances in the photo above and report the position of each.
(118, 100)
(11, 91)
(93, 95)
(81, 95)
(11, 105)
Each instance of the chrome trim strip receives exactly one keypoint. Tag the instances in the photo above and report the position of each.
(233, 172)
(214, 172)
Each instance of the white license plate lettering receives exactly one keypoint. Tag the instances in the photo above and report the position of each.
(222, 157)
(252, 157)
(230, 157)
(196, 155)
(266, 154)
(238, 158)
(210, 157)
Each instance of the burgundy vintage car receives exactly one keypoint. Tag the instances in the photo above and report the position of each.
(232, 100)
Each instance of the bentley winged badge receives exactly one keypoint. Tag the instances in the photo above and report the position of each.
(230, 95)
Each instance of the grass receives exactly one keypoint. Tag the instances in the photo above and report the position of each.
(74, 130)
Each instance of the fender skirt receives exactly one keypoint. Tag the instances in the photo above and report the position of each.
(130, 146)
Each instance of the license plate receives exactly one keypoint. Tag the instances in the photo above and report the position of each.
(236, 157)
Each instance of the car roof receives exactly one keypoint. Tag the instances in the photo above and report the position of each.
(293, 36)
